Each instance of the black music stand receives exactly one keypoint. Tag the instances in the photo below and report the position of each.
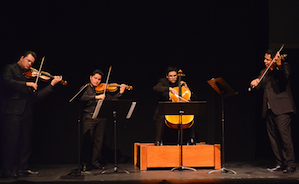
(181, 108)
(116, 108)
(224, 90)
(77, 173)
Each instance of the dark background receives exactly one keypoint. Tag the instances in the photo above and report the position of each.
(139, 39)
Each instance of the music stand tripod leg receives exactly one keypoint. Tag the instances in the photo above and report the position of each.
(115, 168)
(181, 167)
(223, 169)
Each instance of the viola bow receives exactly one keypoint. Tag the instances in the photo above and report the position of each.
(39, 71)
(100, 102)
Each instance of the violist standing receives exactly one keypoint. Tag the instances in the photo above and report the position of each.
(278, 105)
(19, 96)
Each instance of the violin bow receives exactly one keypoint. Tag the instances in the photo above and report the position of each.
(39, 71)
(100, 102)
(266, 70)
(79, 92)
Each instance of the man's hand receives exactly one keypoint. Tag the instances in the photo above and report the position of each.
(56, 80)
(184, 84)
(31, 84)
(122, 88)
(277, 59)
(102, 97)
(173, 91)
(255, 82)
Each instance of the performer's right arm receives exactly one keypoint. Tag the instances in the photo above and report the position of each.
(254, 82)
(12, 82)
(88, 95)
(162, 88)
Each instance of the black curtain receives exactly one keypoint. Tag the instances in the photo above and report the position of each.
(139, 40)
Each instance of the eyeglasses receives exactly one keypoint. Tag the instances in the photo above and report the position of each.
(172, 75)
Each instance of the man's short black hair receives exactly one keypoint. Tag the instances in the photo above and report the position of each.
(26, 53)
(97, 71)
(270, 51)
(170, 69)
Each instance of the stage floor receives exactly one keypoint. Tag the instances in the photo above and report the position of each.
(246, 173)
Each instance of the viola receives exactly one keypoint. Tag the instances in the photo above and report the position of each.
(184, 94)
(110, 87)
(44, 76)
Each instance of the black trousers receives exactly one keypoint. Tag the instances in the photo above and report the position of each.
(279, 132)
(93, 136)
(16, 134)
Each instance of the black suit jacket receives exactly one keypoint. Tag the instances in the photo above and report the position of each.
(16, 96)
(89, 101)
(277, 91)
(162, 89)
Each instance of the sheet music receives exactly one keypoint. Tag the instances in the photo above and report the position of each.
(96, 111)
(131, 110)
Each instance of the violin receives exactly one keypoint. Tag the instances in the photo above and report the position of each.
(110, 87)
(44, 76)
(270, 66)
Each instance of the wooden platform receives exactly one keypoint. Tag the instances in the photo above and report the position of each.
(147, 155)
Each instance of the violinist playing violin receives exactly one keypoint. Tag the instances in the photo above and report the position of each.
(93, 129)
(278, 105)
(16, 115)
(162, 89)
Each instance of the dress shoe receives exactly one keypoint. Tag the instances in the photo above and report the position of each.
(277, 168)
(289, 170)
(191, 141)
(27, 172)
(97, 165)
(158, 143)
(86, 168)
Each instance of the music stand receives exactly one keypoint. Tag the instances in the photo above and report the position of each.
(77, 173)
(224, 90)
(181, 108)
(116, 108)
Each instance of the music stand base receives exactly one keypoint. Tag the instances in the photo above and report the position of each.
(75, 174)
(183, 168)
(225, 170)
(115, 170)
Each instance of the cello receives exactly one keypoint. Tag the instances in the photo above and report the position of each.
(184, 94)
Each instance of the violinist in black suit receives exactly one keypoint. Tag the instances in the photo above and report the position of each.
(18, 97)
(278, 105)
(93, 129)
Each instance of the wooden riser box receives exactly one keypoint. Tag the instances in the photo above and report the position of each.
(147, 155)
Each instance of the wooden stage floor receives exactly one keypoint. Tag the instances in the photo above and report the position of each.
(246, 173)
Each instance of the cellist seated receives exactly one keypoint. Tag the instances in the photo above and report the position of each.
(165, 88)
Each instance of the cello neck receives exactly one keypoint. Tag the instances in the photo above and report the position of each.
(180, 74)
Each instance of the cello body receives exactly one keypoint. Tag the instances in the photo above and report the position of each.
(174, 121)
